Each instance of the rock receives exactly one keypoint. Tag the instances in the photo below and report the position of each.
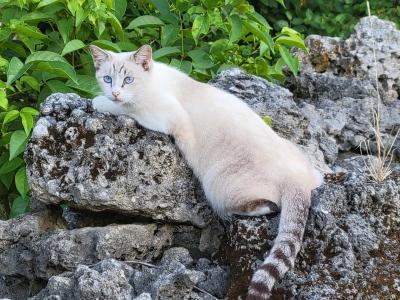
(350, 245)
(354, 57)
(109, 279)
(36, 247)
(100, 162)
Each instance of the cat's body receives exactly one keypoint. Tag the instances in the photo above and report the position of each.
(243, 165)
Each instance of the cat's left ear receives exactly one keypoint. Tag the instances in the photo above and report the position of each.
(143, 57)
(99, 55)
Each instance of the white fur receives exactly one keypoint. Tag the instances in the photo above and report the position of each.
(237, 157)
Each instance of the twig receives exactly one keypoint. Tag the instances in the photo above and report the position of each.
(138, 262)
(205, 292)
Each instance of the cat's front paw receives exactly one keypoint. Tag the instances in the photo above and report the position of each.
(103, 104)
(100, 103)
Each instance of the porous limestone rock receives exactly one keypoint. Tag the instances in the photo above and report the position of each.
(175, 277)
(37, 245)
(354, 57)
(350, 248)
(100, 162)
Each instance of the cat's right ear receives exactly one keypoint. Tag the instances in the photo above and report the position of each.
(99, 55)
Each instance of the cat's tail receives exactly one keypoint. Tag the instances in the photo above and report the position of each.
(294, 213)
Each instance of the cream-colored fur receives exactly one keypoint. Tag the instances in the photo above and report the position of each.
(236, 156)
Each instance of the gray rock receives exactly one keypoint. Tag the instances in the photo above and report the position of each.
(354, 57)
(104, 163)
(36, 247)
(107, 280)
(173, 278)
(350, 247)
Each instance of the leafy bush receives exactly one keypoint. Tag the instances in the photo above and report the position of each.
(43, 49)
(332, 18)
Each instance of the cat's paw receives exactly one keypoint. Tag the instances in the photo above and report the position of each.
(100, 103)
(103, 104)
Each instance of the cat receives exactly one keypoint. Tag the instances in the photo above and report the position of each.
(244, 167)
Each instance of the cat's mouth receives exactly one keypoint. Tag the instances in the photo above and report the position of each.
(116, 100)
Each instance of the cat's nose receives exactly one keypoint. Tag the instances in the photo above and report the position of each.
(115, 94)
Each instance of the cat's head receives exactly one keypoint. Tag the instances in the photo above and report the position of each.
(121, 76)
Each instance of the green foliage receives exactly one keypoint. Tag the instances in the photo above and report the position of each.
(43, 49)
(332, 18)
(203, 37)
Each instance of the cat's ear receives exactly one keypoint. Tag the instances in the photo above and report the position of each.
(99, 55)
(143, 57)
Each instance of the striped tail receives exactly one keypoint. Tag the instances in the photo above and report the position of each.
(294, 213)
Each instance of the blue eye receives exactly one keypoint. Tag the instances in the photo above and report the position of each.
(128, 80)
(107, 79)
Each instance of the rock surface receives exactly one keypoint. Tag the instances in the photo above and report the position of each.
(137, 225)
(100, 162)
(175, 277)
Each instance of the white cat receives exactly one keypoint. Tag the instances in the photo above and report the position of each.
(245, 168)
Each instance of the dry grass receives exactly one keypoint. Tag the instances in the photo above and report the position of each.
(379, 167)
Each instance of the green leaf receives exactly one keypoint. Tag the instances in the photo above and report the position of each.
(200, 26)
(145, 20)
(3, 99)
(116, 25)
(11, 165)
(162, 6)
(19, 206)
(86, 84)
(29, 31)
(260, 34)
(236, 28)
(107, 45)
(4, 33)
(21, 182)
(58, 68)
(47, 56)
(15, 69)
(291, 61)
(169, 34)
(43, 3)
(119, 7)
(165, 52)
(65, 27)
(17, 143)
(293, 40)
(290, 32)
(72, 46)
(7, 179)
(30, 110)
(31, 81)
(57, 86)
(36, 16)
(256, 17)
(80, 16)
(10, 116)
(201, 59)
(185, 66)
(27, 122)
(281, 2)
